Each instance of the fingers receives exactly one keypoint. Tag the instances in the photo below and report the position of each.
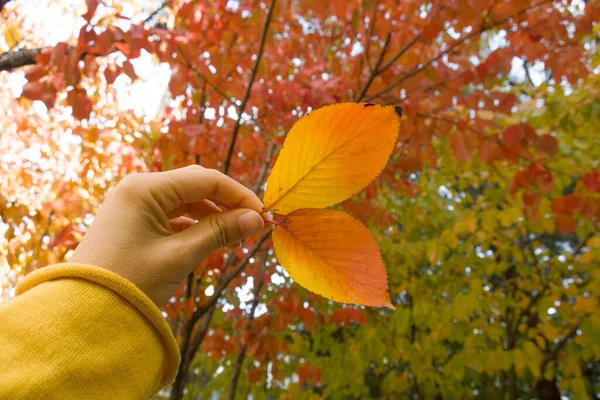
(196, 210)
(181, 223)
(216, 231)
(194, 183)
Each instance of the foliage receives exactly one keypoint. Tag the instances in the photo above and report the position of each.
(486, 214)
(327, 157)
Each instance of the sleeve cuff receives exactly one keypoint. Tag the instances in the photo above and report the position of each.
(126, 290)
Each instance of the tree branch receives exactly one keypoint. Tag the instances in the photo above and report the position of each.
(474, 33)
(242, 108)
(16, 59)
(552, 357)
(242, 354)
(265, 168)
(20, 58)
(375, 71)
(204, 313)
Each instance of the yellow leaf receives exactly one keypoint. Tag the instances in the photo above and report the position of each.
(331, 154)
(485, 115)
(332, 254)
(593, 242)
(11, 37)
(587, 258)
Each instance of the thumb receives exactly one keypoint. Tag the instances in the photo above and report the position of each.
(216, 231)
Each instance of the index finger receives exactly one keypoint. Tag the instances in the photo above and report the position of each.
(194, 183)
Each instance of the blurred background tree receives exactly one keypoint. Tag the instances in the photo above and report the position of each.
(487, 214)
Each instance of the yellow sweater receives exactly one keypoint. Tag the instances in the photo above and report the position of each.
(80, 332)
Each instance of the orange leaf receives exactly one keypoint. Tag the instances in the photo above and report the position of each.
(431, 30)
(331, 154)
(591, 180)
(462, 151)
(565, 224)
(565, 205)
(490, 152)
(548, 144)
(332, 254)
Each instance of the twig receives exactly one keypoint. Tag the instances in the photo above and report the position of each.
(400, 53)
(155, 12)
(242, 354)
(375, 70)
(242, 108)
(265, 168)
(422, 67)
(23, 57)
(204, 313)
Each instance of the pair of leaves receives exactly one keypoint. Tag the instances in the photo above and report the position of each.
(328, 156)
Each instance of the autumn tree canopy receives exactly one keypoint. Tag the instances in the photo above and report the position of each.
(487, 214)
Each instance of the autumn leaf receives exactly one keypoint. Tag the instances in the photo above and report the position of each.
(462, 151)
(592, 181)
(332, 254)
(565, 223)
(331, 154)
(565, 205)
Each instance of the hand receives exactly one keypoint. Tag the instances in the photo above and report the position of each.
(141, 231)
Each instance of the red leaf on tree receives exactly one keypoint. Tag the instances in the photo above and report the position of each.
(591, 180)
(511, 135)
(255, 375)
(547, 144)
(307, 373)
(490, 151)
(92, 5)
(531, 202)
(541, 176)
(431, 30)
(36, 72)
(82, 105)
(57, 58)
(129, 70)
(110, 73)
(519, 181)
(123, 48)
(462, 151)
(90, 66)
(565, 205)
(33, 90)
(72, 72)
(565, 224)
(43, 57)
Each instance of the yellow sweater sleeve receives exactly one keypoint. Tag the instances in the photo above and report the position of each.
(80, 332)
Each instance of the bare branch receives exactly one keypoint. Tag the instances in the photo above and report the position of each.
(242, 354)
(265, 168)
(474, 33)
(375, 70)
(20, 58)
(205, 313)
(242, 108)
(16, 59)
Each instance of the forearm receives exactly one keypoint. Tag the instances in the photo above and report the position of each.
(78, 331)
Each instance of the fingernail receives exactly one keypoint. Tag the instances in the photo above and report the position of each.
(268, 218)
(235, 245)
(250, 223)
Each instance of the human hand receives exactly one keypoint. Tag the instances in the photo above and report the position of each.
(142, 234)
